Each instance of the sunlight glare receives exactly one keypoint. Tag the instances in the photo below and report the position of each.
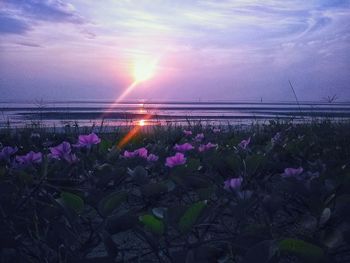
(142, 123)
(144, 69)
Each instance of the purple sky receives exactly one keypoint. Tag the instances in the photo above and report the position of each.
(208, 50)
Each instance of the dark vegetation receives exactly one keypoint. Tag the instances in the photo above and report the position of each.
(107, 208)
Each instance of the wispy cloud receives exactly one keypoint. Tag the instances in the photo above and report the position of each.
(28, 44)
(12, 25)
(21, 16)
(48, 10)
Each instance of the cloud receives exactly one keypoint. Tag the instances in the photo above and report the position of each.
(227, 40)
(12, 25)
(47, 10)
(21, 16)
(28, 44)
(215, 23)
(334, 3)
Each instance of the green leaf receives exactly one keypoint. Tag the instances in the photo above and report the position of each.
(104, 146)
(207, 253)
(293, 147)
(50, 211)
(25, 177)
(103, 171)
(170, 185)
(154, 189)
(179, 170)
(73, 201)
(325, 216)
(140, 175)
(253, 234)
(253, 162)
(234, 162)
(190, 216)
(153, 224)
(261, 252)
(193, 164)
(196, 181)
(113, 153)
(174, 213)
(2, 172)
(111, 202)
(332, 237)
(301, 248)
(138, 171)
(205, 193)
(121, 222)
(191, 181)
(110, 245)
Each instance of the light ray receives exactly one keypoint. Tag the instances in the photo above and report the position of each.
(120, 98)
(126, 92)
(133, 132)
(143, 70)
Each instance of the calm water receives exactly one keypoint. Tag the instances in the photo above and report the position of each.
(60, 113)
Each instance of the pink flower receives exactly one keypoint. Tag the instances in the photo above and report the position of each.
(199, 137)
(142, 152)
(128, 154)
(183, 147)
(187, 133)
(216, 130)
(7, 151)
(290, 172)
(152, 158)
(177, 159)
(71, 158)
(63, 151)
(233, 183)
(59, 151)
(205, 147)
(87, 140)
(244, 143)
(30, 158)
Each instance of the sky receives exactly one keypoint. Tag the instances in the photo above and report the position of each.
(197, 50)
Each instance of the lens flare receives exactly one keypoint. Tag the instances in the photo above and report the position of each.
(143, 69)
(133, 132)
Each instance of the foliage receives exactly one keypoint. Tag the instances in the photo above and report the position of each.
(104, 206)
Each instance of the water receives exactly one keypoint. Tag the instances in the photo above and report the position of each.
(93, 112)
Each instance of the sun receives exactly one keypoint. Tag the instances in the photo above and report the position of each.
(144, 69)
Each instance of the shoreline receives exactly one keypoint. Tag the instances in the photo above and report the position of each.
(104, 127)
(88, 113)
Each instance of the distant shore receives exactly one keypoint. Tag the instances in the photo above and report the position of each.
(88, 113)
